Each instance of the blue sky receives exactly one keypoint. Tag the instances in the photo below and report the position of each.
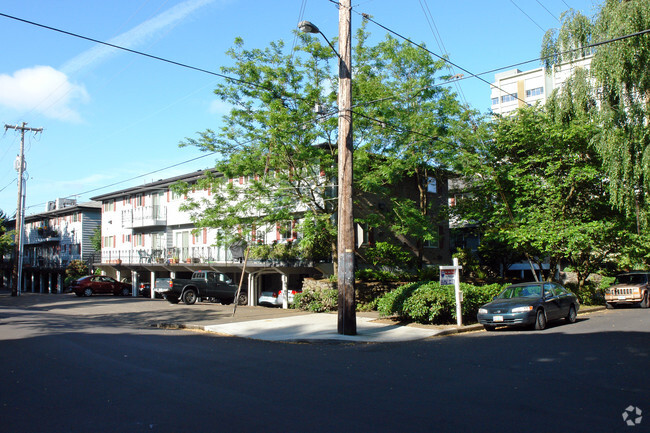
(109, 116)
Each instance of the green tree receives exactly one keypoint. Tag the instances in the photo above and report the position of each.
(286, 151)
(410, 119)
(96, 239)
(6, 236)
(540, 184)
(619, 69)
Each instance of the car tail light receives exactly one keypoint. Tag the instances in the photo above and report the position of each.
(171, 283)
(275, 294)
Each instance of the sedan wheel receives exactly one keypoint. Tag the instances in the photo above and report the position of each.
(571, 317)
(88, 291)
(540, 321)
(126, 291)
(243, 299)
(189, 297)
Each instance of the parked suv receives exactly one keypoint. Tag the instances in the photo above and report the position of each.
(629, 288)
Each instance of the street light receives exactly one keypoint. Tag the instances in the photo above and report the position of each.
(309, 27)
(347, 323)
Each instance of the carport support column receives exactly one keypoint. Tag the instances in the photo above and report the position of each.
(152, 283)
(285, 291)
(252, 290)
(135, 282)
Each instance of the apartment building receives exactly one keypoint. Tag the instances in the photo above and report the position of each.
(51, 240)
(145, 235)
(515, 89)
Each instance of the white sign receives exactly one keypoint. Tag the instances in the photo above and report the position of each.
(447, 276)
(451, 275)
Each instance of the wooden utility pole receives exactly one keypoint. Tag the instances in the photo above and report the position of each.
(347, 323)
(20, 212)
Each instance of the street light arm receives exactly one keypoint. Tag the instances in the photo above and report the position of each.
(309, 27)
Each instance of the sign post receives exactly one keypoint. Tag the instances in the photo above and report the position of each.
(451, 275)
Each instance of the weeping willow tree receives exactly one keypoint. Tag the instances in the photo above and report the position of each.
(620, 72)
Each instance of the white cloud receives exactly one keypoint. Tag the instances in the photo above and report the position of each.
(136, 36)
(42, 89)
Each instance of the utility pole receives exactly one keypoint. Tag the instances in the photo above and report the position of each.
(347, 323)
(20, 211)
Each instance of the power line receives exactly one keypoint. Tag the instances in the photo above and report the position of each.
(367, 17)
(592, 45)
(528, 16)
(140, 53)
(549, 12)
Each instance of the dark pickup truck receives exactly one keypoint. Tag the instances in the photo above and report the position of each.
(204, 285)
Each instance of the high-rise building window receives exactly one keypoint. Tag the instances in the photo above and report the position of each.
(534, 92)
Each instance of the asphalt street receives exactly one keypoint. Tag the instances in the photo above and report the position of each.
(98, 365)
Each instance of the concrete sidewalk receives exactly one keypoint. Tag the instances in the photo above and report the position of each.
(323, 327)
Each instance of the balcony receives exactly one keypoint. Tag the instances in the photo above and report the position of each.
(145, 216)
(42, 235)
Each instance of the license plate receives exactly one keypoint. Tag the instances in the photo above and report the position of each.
(498, 318)
(621, 298)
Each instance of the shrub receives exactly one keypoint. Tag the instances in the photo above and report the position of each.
(393, 301)
(430, 302)
(76, 269)
(590, 293)
(317, 301)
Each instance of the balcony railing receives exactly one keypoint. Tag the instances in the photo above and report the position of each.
(188, 255)
(145, 216)
(56, 261)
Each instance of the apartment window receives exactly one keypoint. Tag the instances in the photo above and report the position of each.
(434, 242)
(285, 230)
(432, 185)
(109, 205)
(534, 92)
(495, 101)
(175, 195)
(508, 98)
(138, 240)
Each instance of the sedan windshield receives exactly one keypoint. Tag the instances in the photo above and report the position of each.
(532, 291)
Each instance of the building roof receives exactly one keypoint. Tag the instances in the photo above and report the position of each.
(158, 185)
(91, 206)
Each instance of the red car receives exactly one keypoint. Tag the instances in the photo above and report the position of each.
(87, 286)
